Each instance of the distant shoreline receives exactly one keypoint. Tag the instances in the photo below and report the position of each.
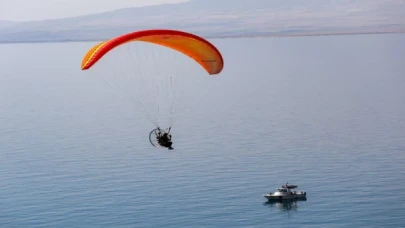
(311, 34)
(222, 36)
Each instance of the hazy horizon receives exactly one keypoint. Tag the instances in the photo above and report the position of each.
(206, 18)
(51, 9)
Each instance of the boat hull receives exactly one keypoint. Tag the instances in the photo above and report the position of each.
(302, 195)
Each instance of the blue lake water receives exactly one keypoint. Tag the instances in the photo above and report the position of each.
(324, 113)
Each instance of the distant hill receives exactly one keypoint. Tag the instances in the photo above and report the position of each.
(220, 18)
(4, 24)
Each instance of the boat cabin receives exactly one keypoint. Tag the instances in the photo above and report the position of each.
(282, 190)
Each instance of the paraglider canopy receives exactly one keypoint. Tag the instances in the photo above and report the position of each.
(197, 48)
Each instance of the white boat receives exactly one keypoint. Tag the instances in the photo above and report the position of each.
(285, 193)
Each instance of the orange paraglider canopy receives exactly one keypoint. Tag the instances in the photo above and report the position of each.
(189, 44)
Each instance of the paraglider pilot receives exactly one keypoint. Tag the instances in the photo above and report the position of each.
(165, 139)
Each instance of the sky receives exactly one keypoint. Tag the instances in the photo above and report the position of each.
(27, 10)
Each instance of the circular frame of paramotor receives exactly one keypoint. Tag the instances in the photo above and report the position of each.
(153, 135)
